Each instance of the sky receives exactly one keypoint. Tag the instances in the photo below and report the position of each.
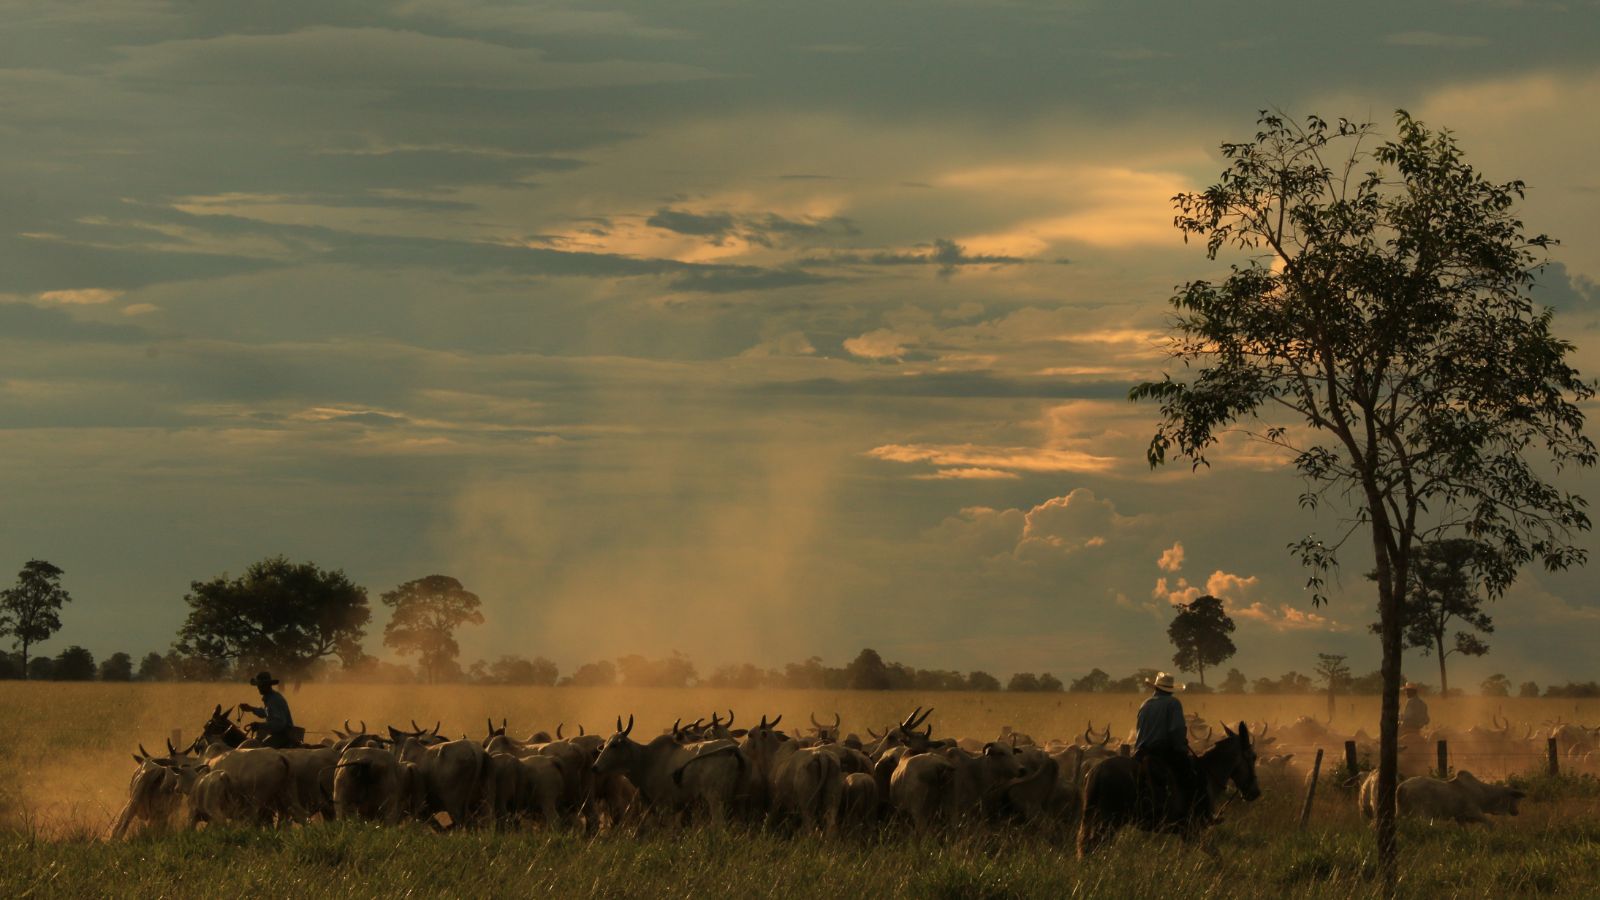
(753, 331)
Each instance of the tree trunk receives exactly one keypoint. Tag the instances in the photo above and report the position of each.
(1202, 674)
(1389, 623)
(24, 660)
(1444, 682)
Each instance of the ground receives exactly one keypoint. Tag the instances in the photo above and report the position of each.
(64, 763)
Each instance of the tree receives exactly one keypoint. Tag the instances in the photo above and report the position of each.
(1234, 683)
(154, 668)
(982, 681)
(595, 674)
(1380, 331)
(867, 672)
(1443, 589)
(1023, 681)
(278, 615)
(1335, 675)
(1200, 631)
(41, 668)
(74, 664)
(1096, 681)
(30, 611)
(1528, 689)
(1496, 685)
(117, 667)
(1049, 683)
(427, 612)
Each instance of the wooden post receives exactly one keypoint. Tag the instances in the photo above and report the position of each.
(1550, 750)
(1349, 758)
(1311, 789)
(1444, 759)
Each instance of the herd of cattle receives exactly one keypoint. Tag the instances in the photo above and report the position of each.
(816, 778)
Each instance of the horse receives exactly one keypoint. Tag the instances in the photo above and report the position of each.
(1121, 791)
(220, 729)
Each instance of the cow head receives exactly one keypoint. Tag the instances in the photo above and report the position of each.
(619, 752)
(826, 734)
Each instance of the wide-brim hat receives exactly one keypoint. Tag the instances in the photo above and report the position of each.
(1164, 682)
(263, 678)
(1410, 686)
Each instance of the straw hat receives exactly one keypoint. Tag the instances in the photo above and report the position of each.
(1410, 686)
(1163, 682)
(263, 678)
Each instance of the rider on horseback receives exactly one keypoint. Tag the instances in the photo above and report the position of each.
(278, 730)
(1162, 736)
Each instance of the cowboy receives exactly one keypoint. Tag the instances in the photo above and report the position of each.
(1162, 733)
(277, 730)
(1415, 716)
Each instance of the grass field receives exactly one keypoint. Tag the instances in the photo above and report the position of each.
(64, 765)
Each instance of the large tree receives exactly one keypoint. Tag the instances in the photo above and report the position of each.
(30, 611)
(1200, 631)
(1445, 590)
(1335, 676)
(427, 612)
(278, 615)
(1376, 325)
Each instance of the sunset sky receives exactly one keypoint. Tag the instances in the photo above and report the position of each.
(751, 330)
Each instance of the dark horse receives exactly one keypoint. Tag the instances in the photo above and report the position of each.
(221, 728)
(1123, 791)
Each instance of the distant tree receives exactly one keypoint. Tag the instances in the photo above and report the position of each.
(154, 668)
(1444, 589)
(867, 672)
(520, 670)
(595, 674)
(41, 668)
(741, 676)
(1368, 684)
(197, 668)
(1049, 683)
(982, 681)
(278, 615)
(808, 675)
(1097, 680)
(1200, 631)
(1023, 681)
(1574, 690)
(11, 666)
(117, 667)
(939, 680)
(1294, 683)
(1335, 676)
(1234, 683)
(1266, 686)
(1496, 685)
(1138, 682)
(74, 664)
(1528, 689)
(673, 671)
(427, 612)
(30, 611)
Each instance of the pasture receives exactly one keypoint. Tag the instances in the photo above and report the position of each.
(64, 765)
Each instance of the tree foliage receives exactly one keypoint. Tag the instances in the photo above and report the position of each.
(278, 615)
(1200, 631)
(117, 667)
(74, 664)
(426, 613)
(1378, 329)
(30, 610)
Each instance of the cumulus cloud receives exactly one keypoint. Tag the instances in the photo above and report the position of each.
(1020, 459)
(1171, 558)
(1239, 595)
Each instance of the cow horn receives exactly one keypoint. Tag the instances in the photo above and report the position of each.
(619, 724)
(171, 750)
(814, 723)
(763, 725)
(347, 728)
(490, 723)
(910, 722)
(927, 733)
(715, 720)
(580, 729)
(144, 751)
(677, 732)
(924, 717)
(436, 726)
(875, 736)
(415, 727)
(729, 723)
(558, 731)
(837, 721)
(629, 729)
(774, 722)
(1208, 734)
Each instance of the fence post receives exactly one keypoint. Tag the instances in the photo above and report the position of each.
(1550, 750)
(1311, 790)
(1349, 758)
(1444, 759)
(1125, 750)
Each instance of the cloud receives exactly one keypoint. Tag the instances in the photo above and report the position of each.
(946, 254)
(1239, 594)
(22, 322)
(80, 297)
(882, 343)
(766, 230)
(1018, 459)
(1171, 558)
(1435, 39)
(970, 473)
